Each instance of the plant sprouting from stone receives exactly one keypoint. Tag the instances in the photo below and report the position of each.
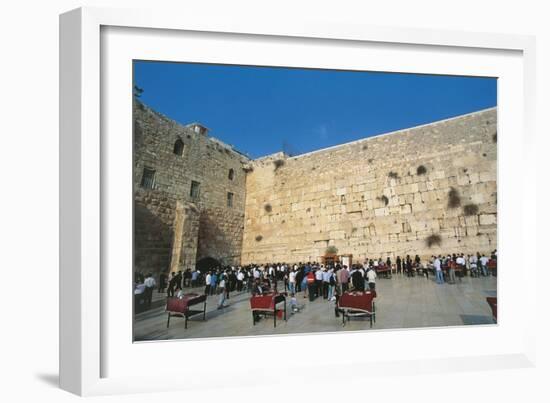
(331, 250)
(137, 91)
(268, 208)
(454, 198)
(393, 175)
(421, 170)
(471, 209)
(433, 239)
(278, 163)
(384, 199)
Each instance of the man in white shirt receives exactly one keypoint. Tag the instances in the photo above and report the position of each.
(221, 290)
(473, 265)
(292, 281)
(483, 262)
(438, 272)
(326, 283)
(461, 264)
(371, 278)
(319, 281)
(150, 281)
(149, 284)
(207, 282)
(240, 278)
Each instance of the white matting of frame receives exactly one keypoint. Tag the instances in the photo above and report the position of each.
(97, 49)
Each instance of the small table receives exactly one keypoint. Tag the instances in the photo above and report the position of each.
(384, 269)
(181, 306)
(492, 301)
(357, 303)
(266, 304)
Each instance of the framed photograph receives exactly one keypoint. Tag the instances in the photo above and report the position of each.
(254, 190)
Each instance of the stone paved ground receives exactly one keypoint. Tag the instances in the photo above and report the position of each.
(401, 303)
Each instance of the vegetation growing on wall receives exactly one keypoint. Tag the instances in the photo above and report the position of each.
(454, 198)
(384, 199)
(470, 209)
(433, 239)
(393, 175)
(268, 208)
(421, 170)
(278, 164)
(331, 250)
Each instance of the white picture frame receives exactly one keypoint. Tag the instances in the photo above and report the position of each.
(88, 305)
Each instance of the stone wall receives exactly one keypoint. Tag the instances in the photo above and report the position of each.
(372, 198)
(153, 234)
(205, 160)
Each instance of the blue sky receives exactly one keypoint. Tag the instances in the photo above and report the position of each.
(262, 110)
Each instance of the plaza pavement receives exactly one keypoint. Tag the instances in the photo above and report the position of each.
(402, 302)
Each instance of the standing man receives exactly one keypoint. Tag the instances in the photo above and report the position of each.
(319, 281)
(240, 278)
(437, 268)
(222, 284)
(292, 281)
(213, 282)
(149, 284)
(483, 260)
(343, 278)
(326, 282)
(460, 265)
(207, 281)
(358, 281)
(172, 284)
(162, 283)
(311, 285)
(473, 265)
(371, 278)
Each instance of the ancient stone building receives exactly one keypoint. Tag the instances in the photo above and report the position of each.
(189, 194)
(425, 190)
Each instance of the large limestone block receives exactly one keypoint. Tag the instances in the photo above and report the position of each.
(487, 219)
(406, 209)
(488, 176)
(338, 234)
(380, 212)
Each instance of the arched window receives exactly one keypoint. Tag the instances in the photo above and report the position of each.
(178, 147)
(231, 174)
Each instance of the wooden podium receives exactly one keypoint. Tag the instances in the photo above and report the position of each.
(332, 258)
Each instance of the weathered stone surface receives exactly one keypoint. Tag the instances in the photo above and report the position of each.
(214, 230)
(342, 196)
(452, 153)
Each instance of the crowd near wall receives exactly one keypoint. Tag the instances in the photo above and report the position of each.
(425, 190)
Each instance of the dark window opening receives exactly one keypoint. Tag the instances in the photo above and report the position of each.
(229, 199)
(195, 187)
(178, 147)
(231, 174)
(148, 178)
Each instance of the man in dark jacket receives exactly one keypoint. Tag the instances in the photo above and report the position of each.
(358, 281)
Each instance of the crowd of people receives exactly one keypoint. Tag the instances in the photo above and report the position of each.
(312, 280)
